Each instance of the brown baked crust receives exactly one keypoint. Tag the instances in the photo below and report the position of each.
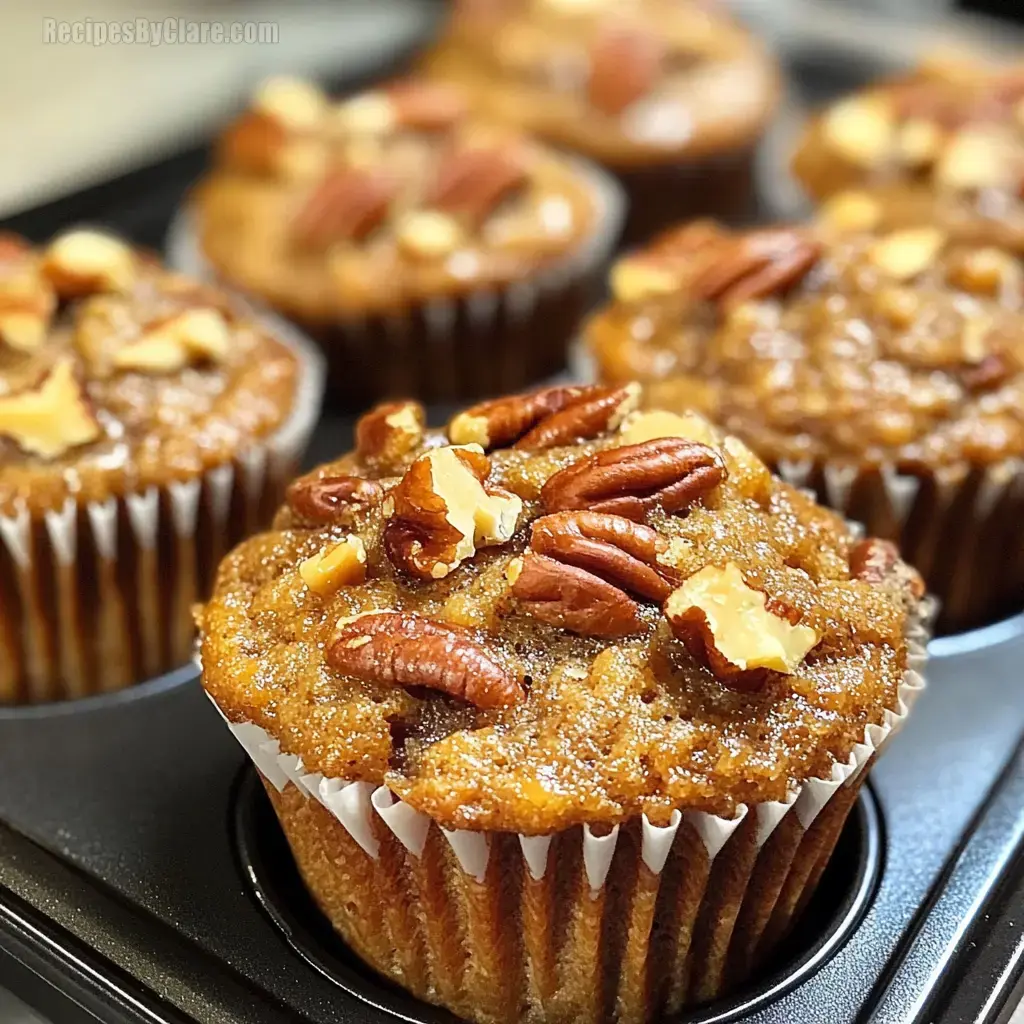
(383, 201)
(629, 88)
(145, 376)
(901, 348)
(602, 716)
(943, 145)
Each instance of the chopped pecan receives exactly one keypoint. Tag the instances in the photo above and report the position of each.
(27, 303)
(389, 431)
(404, 649)
(754, 265)
(426, 106)
(13, 248)
(625, 63)
(443, 512)
(571, 598)
(328, 500)
(346, 205)
(471, 182)
(734, 630)
(545, 418)
(253, 144)
(672, 472)
(617, 549)
(993, 371)
(874, 561)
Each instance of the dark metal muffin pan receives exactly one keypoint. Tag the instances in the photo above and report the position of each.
(143, 879)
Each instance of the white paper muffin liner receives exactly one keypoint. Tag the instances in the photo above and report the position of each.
(754, 871)
(95, 596)
(488, 341)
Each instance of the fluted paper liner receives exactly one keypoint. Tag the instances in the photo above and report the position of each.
(583, 926)
(957, 525)
(487, 342)
(96, 596)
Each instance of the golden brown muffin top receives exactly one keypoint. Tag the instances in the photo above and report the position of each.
(117, 375)
(384, 198)
(625, 82)
(895, 347)
(944, 145)
(558, 610)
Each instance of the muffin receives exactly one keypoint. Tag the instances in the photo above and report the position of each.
(147, 424)
(943, 146)
(427, 253)
(672, 95)
(883, 370)
(562, 709)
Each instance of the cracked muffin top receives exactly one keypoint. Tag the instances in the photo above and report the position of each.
(117, 375)
(628, 83)
(834, 340)
(559, 610)
(388, 197)
(942, 146)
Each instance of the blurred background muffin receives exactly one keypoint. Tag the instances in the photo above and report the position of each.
(147, 423)
(672, 95)
(884, 370)
(429, 253)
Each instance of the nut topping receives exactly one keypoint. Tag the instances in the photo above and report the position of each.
(545, 418)
(625, 64)
(195, 335)
(471, 182)
(336, 566)
(82, 262)
(904, 254)
(428, 234)
(27, 302)
(443, 513)
(52, 418)
(725, 623)
(862, 130)
(571, 598)
(403, 649)
(631, 480)
(620, 551)
(873, 560)
(332, 499)
(426, 106)
(850, 211)
(292, 102)
(389, 431)
(649, 426)
(346, 205)
(755, 265)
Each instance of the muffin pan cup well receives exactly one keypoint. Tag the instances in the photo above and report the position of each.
(485, 342)
(121, 869)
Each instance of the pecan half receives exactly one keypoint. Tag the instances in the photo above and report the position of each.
(443, 512)
(426, 106)
(545, 418)
(389, 431)
(672, 472)
(873, 559)
(404, 649)
(572, 598)
(332, 500)
(346, 205)
(754, 265)
(471, 182)
(625, 63)
(618, 550)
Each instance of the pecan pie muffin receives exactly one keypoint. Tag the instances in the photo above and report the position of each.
(561, 709)
(883, 369)
(427, 253)
(943, 146)
(672, 95)
(147, 424)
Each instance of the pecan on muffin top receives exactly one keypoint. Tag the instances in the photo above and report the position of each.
(383, 200)
(559, 611)
(117, 376)
(899, 348)
(943, 146)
